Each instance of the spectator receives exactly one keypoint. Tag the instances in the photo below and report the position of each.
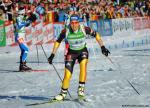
(1, 15)
(148, 9)
(86, 16)
(8, 9)
(126, 11)
(61, 14)
(2, 5)
(96, 9)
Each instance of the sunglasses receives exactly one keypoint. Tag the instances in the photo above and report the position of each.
(74, 22)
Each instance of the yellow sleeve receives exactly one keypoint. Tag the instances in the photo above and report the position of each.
(98, 37)
(56, 45)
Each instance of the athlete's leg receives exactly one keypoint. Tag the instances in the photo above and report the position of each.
(83, 71)
(83, 60)
(24, 51)
(69, 64)
(21, 55)
(21, 60)
(82, 77)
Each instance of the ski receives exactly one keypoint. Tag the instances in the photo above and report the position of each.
(82, 98)
(39, 70)
(40, 103)
(79, 100)
(34, 70)
(46, 102)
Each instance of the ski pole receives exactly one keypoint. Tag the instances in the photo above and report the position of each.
(37, 54)
(123, 76)
(55, 70)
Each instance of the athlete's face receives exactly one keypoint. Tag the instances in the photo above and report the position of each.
(74, 25)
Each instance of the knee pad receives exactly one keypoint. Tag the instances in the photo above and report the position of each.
(84, 55)
(69, 65)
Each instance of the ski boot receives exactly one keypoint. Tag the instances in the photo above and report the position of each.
(23, 67)
(81, 89)
(61, 96)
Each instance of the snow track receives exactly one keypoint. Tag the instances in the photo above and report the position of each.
(105, 86)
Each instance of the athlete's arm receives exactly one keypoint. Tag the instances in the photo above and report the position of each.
(94, 34)
(20, 23)
(58, 41)
(99, 39)
(56, 45)
(89, 31)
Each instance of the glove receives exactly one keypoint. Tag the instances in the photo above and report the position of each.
(105, 51)
(32, 17)
(27, 23)
(50, 59)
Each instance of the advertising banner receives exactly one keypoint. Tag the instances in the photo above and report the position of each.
(141, 26)
(145, 22)
(50, 16)
(47, 32)
(137, 23)
(37, 33)
(123, 27)
(28, 36)
(9, 29)
(106, 27)
(57, 29)
(2, 34)
(94, 25)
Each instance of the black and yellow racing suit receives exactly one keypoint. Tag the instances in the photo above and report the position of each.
(77, 51)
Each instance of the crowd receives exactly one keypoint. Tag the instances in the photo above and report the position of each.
(105, 9)
(97, 9)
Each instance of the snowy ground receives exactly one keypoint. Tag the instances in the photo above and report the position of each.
(106, 87)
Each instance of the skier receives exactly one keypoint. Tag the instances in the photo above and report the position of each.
(20, 23)
(72, 11)
(75, 35)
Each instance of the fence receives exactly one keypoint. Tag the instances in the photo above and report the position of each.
(117, 33)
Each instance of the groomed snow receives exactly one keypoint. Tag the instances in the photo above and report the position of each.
(106, 86)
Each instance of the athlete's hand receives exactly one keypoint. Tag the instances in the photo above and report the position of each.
(50, 59)
(28, 23)
(32, 17)
(105, 51)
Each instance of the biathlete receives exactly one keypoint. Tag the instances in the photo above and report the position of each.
(21, 22)
(75, 35)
